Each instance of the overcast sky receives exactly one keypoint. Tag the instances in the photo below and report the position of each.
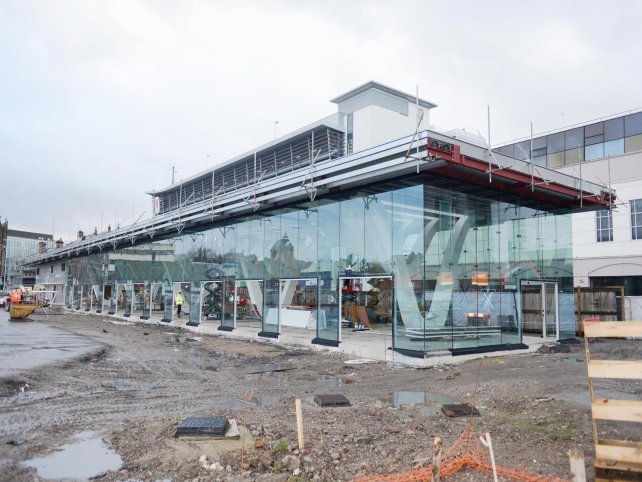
(98, 99)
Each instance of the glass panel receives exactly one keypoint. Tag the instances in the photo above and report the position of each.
(614, 129)
(271, 311)
(181, 293)
(107, 298)
(378, 233)
(594, 140)
(248, 310)
(555, 142)
(550, 309)
(555, 160)
(574, 138)
(96, 297)
(212, 301)
(139, 300)
(86, 297)
(591, 130)
(595, 151)
(298, 302)
(329, 258)
(69, 297)
(633, 144)
(127, 299)
(194, 305)
(614, 148)
(633, 124)
(523, 150)
(573, 156)
(229, 303)
(408, 250)
(156, 302)
(168, 303)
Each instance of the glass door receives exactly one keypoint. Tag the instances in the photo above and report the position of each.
(550, 312)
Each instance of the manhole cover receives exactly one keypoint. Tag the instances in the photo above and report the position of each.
(459, 410)
(203, 426)
(331, 401)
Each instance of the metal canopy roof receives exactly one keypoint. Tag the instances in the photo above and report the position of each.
(429, 157)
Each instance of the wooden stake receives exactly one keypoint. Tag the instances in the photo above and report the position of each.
(299, 423)
(578, 469)
(486, 441)
(436, 460)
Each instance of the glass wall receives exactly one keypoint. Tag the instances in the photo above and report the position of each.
(434, 267)
(594, 141)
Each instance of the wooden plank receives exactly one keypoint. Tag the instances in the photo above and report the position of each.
(578, 469)
(618, 329)
(627, 454)
(626, 410)
(626, 369)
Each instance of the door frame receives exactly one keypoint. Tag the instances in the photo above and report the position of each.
(542, 284)
(392, 297)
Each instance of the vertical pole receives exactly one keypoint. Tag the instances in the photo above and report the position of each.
(436, 460)
(418, 126)
(299, 423)
(581, 180)
(530, 157)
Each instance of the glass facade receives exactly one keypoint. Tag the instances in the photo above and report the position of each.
(434, 267)
(594, 141)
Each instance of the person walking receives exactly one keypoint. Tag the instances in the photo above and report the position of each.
(179, 303)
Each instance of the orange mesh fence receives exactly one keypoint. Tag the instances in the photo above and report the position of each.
(466, 452)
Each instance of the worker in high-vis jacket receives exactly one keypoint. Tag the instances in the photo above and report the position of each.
(179, 304)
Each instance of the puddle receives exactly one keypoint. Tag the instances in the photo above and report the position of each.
(574, 360)
(134, 389)
(419, 398)
(331, 381)
(254, 402)
(86, 457)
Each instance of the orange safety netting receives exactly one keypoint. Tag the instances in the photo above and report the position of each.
(466, 452)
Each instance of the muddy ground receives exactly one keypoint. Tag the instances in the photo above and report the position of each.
(144, 379)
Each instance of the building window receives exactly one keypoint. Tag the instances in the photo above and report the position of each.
(62, 267)
(636, 218)
(37, 271)
(52, 268)
(604, 225)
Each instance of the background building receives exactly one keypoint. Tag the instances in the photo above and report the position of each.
(21, 244)
(3, 249)
(607, 244)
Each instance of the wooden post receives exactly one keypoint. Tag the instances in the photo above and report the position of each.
(436, 460)
(299, 423)
(578, 469)
(486, 441)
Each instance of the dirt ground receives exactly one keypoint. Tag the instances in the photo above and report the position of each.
(146, 378)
